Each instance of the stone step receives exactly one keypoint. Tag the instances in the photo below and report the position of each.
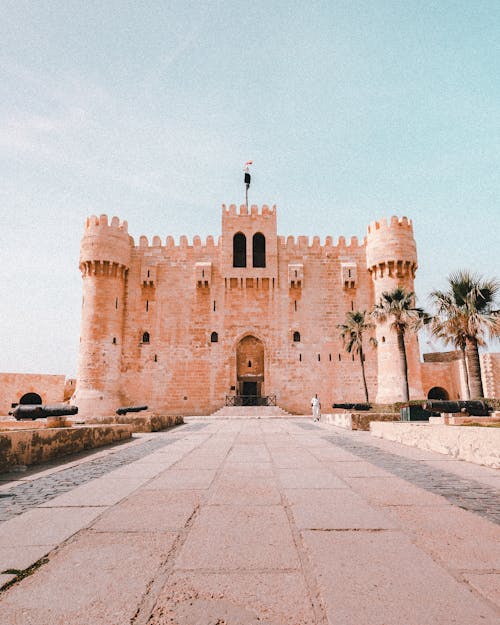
(251, 411)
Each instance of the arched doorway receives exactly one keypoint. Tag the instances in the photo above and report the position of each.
(437, 392)
(30, 399)
(250, 369)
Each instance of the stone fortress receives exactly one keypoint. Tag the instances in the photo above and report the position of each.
(181, 327)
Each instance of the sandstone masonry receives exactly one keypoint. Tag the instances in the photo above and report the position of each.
(180, 326)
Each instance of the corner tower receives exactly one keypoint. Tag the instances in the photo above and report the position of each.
(105, 254)
(391, 259)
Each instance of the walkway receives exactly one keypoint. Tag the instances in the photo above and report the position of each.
(252, 522)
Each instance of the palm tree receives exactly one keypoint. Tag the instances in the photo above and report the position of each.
(448, 326)
(398, 307)
(352, 336)
(469, 306)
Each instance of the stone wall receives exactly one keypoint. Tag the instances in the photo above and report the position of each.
(14, 385)
(357, 420)
(474, 444)
(151, 311)
(27, 447)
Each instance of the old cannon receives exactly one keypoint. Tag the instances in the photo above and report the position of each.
(39, 411)
(358, 407)
(124, 410)
(473, 407)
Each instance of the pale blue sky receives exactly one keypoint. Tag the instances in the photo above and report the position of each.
(350, 110)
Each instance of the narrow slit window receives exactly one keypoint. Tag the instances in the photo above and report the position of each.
(147, 305)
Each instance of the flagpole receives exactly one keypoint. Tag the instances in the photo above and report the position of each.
(247, 179)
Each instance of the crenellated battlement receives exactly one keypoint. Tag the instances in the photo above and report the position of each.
(183, 243)
(397, 223)
(102, 221)
(301, 243)
(243, 210)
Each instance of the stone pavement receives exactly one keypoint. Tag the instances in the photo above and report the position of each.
(252, 522)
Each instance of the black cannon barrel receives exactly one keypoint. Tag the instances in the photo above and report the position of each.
(39, 411)
(473, 407)
(359, 407)
(126, 409)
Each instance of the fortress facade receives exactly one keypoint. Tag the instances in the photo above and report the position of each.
(180, 327)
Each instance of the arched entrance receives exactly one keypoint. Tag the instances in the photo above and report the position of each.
(250, 369)
(31, 399)
(437, 392)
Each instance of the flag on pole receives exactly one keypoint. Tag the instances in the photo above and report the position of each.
(247, 173)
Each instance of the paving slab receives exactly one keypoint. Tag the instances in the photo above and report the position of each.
(381, 578)
(294, 460)
(235, 538)
(21, 557)
(487, 584)
(241, 598)
(335, 508)
(356, 469)
(5, 579)
(310, 478)
(249, 453)
(46, 526)
(393, 491)
(97, 578)
(183, 479)
(104, 491)
(150, 511)
(243, 491)
(457, 538)
(200, 461)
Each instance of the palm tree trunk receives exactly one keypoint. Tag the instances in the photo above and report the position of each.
(466, 374)
(362, 361)
(475, 382)
(404, 363)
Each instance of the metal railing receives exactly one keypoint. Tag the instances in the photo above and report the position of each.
(250, 400)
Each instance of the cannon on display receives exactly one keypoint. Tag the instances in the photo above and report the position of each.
(472, 407)
(359, 407)
(39, 411)
(123, 410)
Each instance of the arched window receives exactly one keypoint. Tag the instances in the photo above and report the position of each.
(239, 250)
(296, 337)
(214, 337)
(259, 250)
(145, 337)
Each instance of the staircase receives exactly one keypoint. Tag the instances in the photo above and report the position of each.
(248, 412)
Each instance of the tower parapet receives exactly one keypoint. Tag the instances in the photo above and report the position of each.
(105, 254)
(391, 251)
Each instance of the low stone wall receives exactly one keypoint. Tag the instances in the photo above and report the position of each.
(26, 447)
(357, 420)
(140, 422)
(474, 444)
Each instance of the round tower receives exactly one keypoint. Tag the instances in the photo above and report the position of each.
(391, 258)
(105, 254)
